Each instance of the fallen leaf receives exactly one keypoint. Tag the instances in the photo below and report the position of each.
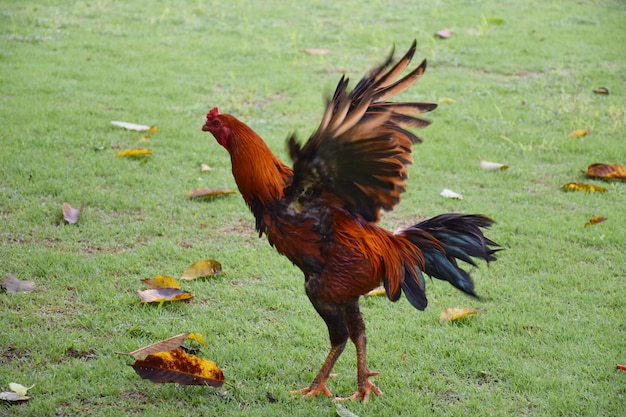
(19, 389)
(145, 139)
(209, 192)
(492, 166)
(376, 291)
(444, 33)
(316, 51)
(607, 171)
(620, 367)
(343, 411)
(578, 186)
(202, 269)
(495, 20)
(179, 367)
(595, 220)
(13, 397)
(71, 214)
(451, 194)
(451, 314)
(14, 285)
(198, 338)
(161, 281)
(134, 152)
(158, 295)
(205, 168)
(165, 345)
(447, 100)
(135, 127)
(601, 90)
(578, 133)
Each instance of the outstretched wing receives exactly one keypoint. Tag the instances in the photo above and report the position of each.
(362, 147)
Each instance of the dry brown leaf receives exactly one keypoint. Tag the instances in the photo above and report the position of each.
(15, 285)
(595, 220)
(578, 186)
(202, 269)
(492, 166)
(607, 171)
(158, 295)
(71, 214)
(601, 90)
(13, 397)
(376, 291)
(578, 133)
(316, 51)
(165, 345)
(134, 152)
(444, 33)
(161, 281)
(179, 367)
(209, 192)
(451, 314)
(135, 127)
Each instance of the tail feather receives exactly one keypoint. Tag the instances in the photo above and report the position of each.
(443, 240)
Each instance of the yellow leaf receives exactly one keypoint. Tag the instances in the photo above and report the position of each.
(595, 220)
(179, 367)
(376, 291)
(578, 133)
(134, 152)
(161, 281)
(198, 338)
(446, 100)
(202, 269)
(157, 295)
(209, 192)
(492, 166)
(451, 314)
(607, 171)
(19, 389)
(577, 186)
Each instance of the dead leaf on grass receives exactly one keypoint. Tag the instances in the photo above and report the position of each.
(161, 281)
(201, 269)
(578, 186)
(578, 133)
(158, 295)
(595, 220)
(316, 51)
(607, 171)
(198, 338)
(601, 90)
(135, 127)
(376, 291)
(451, 314)
(71, 214)
(209, 192)
(444, 33)
(451, 194)
(132, 153)
(15, 285)
(165, 345)
(19, 389)
(205, 168)
(179, 367)
(13, 397)
(492, 166)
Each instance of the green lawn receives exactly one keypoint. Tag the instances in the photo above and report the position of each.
(514, 79)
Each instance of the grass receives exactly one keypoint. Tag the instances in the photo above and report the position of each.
(521, 75)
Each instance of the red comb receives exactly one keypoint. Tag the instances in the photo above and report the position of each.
(212, 113)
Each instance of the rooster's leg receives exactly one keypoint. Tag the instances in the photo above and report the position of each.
(334, 317)
(356, 329)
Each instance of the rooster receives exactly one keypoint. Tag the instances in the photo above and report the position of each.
(322, 214)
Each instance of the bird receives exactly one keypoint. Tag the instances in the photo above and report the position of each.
(323, 212)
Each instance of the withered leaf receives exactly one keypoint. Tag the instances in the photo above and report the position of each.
(19, 389)
(209, 192)
(161, 281)
(205, 168)
(71, 214)
(130, 153)
(451, 314)
(179, 367)
(492, 166)
(202, 269)
(343, 411)
(620, 367)
(578, 133)
(444, 33)
(578, 186)
(14, 285)
(376, 291)
(451, 194)
(135, 127)
(447, 100)
(595, 220)
(158, 295)
(198, 338)
(165, 345)
(601, 90)
(316, 51)
(607, 171)
(13, 397)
